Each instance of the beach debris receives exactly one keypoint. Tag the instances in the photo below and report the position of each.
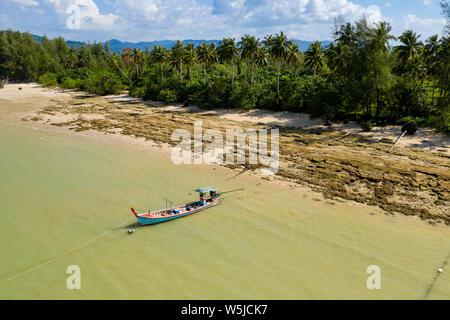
(346, 135)
(410, 127)
(20, 88)
(396, 141)
(131, 231)
(440, 270)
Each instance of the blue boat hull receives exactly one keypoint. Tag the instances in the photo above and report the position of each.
(148, 220)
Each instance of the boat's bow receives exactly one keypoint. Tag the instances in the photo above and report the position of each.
(134, 212)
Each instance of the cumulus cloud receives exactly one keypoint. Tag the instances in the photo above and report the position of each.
(427, 2)
(90, 16)
(427, 26)
(181, 19)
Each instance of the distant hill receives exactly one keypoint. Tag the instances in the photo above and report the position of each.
(117, 45)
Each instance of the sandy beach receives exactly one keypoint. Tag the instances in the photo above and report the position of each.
(339, 162)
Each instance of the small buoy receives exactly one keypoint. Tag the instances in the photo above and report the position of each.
(130, 231)
(440, 270)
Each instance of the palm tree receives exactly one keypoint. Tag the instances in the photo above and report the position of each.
(160, 56)
(228, 51)
(381, 36)
(279, 51)
(190, 58)
(138, 59)
(431, 52)
(261, 57)
(294, 57)
(346, 34)
(379, 46)
(314, 58)
(267, 42)
(409, 48)
(248, 48)
(71, 59)
(337, 58)
(176, 57)
(207, 55)
(443, 65)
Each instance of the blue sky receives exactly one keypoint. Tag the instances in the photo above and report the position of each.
(145, 20)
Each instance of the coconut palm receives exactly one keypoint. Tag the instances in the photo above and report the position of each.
(248, 48)
(410, 46)
(261, 57)
(160, 55)
(176, 57)
(228, 51)
(314, 58)
(190, 58)
(346, 34)
(431, 52)
(443, 65)
(207, 55)
(381, 36)
(294, 57)
(279, 51)
(138, 59)
(267, 42)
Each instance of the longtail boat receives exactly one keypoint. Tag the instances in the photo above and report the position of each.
(158, 216)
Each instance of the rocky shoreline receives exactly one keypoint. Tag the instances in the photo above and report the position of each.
(410, 181)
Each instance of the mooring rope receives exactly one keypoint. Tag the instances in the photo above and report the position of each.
(65, 253)
(436, 277)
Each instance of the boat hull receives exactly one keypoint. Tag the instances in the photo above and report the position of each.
(146, 220)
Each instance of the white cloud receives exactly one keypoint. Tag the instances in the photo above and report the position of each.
(426, 26)
(141, 20)
(91, 19)
(427, 2)
(387, 4)
(26, 3)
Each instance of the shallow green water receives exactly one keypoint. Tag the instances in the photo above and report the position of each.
(58, 191)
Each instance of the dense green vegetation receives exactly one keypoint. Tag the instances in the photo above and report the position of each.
(357, 77)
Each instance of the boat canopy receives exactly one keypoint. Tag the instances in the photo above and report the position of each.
(207, 189)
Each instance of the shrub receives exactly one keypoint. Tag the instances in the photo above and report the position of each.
(48, 80)
(138, 92)
(102, 83)
(243, 97)
(69, 83)
(367, 125)
(167, 95)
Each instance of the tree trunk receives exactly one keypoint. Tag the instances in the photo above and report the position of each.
(232, 75)
(434, 89)
(377, 110)
(181, 72)
(204, 73)
(246, 70)
(253, 71)
(278, 78)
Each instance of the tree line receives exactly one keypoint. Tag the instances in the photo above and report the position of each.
(359, 76)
